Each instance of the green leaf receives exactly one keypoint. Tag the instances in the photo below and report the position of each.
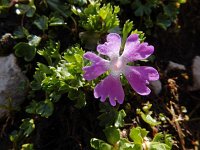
(4, 2)
(32, 107)
(25, 50)
(182, 1)
(45, 69)
(20, 32)
(99, 144)
(51, 52)
(163, 138)
(141, 9)
(108, 116)
(74, 56)
(119, 122)
(42, 108)
(81, 102)
(79, 2)
(99, 19)
(42, 23)
(137, 134)
(148, 119)
(90, 39)
(124, 144)
(39, 76)
(28, 9)
(76, 10)
(158, 137)
(112, 135)
(60, 7)
(45, 109)
(171, 10)
(32, 9)
(14, 136)
(78, 96)
(158, 146)
(55, 21)
(27, 126)
(137, 147)
(27, 146)
(128, 26)
(34, 40)
(163, 21)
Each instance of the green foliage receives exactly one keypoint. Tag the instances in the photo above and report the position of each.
(28, 9)
(78, 96)
(163, 21)
(42, 23)
(25, 50)
(33, 40)
(99, 144)
(119, 121)
(51, 53)
(112, 135)
(166, 11)
(20, 32)
(128, 26)
(147, 115)
(25, 129)
(60, 7)
(4, 5)
(148, 119)
(139, 141)
(138, 134)
(144, 9)
(27, 126)
(99, 19)
(42, 108)
(64, 76)
(56, 20)
(110, 115)
(27, 146)
(166, 139)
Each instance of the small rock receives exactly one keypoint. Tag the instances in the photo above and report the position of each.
(196, 74)
(13, 85)
(174, 66)
(156, 86)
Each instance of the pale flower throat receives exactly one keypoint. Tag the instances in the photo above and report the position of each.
(117, 66)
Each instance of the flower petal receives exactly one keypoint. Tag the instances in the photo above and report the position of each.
(139, 77)
(98, 67)
(111, 47)
(110, 87)
(134, 50)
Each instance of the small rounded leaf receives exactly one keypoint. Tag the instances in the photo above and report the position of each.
(112, 135)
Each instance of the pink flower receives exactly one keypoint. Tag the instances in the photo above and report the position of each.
(137, 76)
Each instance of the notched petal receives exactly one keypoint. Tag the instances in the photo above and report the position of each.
(139, 78)
(111, 47)
(98, 67)
(110, 87)
(134, 50)
(132, 38)
(92, 57)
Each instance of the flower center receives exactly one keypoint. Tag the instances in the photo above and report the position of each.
(117, 66)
